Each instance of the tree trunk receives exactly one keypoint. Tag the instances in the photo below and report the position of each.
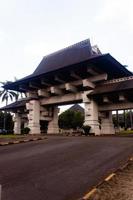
(4, 125)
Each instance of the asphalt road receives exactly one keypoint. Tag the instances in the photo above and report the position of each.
(59, 168)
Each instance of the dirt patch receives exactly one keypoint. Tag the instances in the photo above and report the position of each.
(118, 188)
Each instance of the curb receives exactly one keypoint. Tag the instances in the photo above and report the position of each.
(21, 141)
(88, 195)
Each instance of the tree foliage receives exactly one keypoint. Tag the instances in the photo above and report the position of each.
(20, 95)
(125, 120)
(8, 121)
(6, 94)
(71, 119)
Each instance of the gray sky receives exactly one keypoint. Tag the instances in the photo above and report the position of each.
(30, 29)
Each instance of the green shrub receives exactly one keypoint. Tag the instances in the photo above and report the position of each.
(86, 129)
(25, 130)
(70, 119)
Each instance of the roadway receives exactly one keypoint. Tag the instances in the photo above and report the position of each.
(59, 168)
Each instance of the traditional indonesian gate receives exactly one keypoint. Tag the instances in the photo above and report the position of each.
(77, 74)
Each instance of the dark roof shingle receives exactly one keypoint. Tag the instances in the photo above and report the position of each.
(17, 104)
(65, 57)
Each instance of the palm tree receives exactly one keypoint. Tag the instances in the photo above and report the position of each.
(20, 95)
(7, 95)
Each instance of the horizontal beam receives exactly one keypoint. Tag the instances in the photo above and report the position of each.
(44, 82)
(34, 85)
(106, 99)
(24, 88)
(80, 82)
(64, 99)
(69, 87)
(55, 90)
(43, 93)
(97, 78)
(32, 94)
(116, 106)
(122, 97)
(59, 79)
(92, 71)
(46, 118)
(74, 75)
(88, 84)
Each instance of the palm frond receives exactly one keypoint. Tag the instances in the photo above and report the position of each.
(6, 94)
(4, 97)
(10, 96)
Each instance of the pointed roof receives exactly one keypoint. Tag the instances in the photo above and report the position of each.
(15, 105)
(65, 57)
(77, 108)
(75, 57)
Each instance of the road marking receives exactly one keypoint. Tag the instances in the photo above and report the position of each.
(131, 159)
(26, 140)
(35, 139)
(15, 142)
(4, 143)
(124, 166)
(87, 196)
(21, 141)
(109, 177)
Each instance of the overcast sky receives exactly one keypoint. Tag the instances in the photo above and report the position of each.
(30, 29)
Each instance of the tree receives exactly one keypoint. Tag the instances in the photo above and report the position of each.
(71, 119)
(20, 95)
(7, 95)
(8, 121)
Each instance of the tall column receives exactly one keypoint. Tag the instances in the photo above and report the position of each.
(107, 126)
(53, 127)
(117, 117)
(17, 123)
(131, 119)
(125, 120)
(34, 116)
(91, 114)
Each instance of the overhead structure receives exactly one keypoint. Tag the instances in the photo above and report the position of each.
(77, 74)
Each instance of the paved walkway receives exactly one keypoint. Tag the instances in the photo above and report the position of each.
(59, 168)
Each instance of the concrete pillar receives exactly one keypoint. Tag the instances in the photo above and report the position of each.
(131, 119)
(53, 127)
(107, 126)
(25, 124)
(91, 114)
(34, 116)
(17, 123)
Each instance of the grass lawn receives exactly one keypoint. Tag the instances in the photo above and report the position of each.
(128, 132)
(10, 136)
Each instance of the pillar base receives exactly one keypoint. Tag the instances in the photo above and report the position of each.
(107, 127)
(94, 127)
(17, 131)
(107, 130)
(53, 128)
(34, 129)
